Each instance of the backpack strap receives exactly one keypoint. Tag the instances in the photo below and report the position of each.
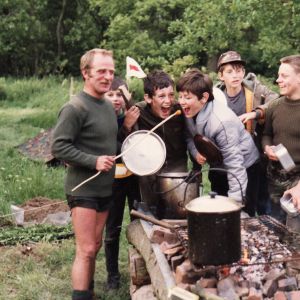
(249, 107)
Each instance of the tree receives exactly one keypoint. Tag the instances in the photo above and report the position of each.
(39, 37)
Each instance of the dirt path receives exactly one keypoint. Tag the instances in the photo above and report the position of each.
(39, 214)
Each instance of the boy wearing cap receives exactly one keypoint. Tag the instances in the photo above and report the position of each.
(248, 98)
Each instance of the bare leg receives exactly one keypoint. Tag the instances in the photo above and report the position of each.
(101, 220)
(87, 225)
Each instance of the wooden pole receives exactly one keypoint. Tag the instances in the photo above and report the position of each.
(177, 112)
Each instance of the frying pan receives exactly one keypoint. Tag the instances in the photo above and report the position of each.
(147, 157)
(208, 149)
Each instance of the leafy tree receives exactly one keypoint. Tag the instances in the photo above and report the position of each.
(39, 37)
(157, 33)
(22, 35)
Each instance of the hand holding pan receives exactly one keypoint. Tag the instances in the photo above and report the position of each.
(176, 113)
(208, 149)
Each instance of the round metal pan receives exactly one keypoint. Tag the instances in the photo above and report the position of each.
(147, 155)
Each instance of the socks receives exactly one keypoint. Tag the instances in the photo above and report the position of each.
(82, 295)
(91, 286)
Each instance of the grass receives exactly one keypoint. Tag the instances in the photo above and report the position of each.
(28, 106)
(44, 272)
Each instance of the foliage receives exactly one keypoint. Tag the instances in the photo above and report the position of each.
(136, 88)
(43, 267)
(31, 106)
(37, 233)
(158, 33)
(42, 37)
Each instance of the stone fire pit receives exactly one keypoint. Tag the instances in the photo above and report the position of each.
(269, 268)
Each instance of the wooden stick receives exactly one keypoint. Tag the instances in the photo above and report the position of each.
(152, 220)
(177, 112)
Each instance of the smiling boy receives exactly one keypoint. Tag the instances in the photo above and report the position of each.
(159, 103)
(282, 126)
(217, 122)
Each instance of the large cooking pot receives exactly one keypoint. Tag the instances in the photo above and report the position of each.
(174, 191)
(214, 230)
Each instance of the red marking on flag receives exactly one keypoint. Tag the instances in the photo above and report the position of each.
(132, 67)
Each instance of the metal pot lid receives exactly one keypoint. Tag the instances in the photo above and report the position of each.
(212, 204)
(147, 155)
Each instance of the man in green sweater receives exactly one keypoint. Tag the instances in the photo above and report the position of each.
(282, 126)
(85, 137)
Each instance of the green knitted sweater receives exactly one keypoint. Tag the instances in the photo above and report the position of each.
(86, 128)
(282, 126)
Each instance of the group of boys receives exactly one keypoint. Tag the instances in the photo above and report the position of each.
(89, 129)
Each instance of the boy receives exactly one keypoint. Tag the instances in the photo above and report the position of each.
(158, 104)
(125, 185)
(248, 98)
(217, 122)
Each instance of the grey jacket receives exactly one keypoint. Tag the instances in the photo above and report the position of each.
(220, 124)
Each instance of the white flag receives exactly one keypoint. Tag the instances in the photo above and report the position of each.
(133, 69)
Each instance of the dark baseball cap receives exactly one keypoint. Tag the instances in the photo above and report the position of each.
(229, 57)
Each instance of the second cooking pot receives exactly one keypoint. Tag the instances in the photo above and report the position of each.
(214, 230)
(174, 191)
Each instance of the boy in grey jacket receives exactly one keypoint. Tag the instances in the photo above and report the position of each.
(218, 123)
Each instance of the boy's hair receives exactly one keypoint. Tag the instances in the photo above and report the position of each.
(87, 58)
(197, 83)
(155, 80)
(116, 83)
(293, 60)
(235, 66)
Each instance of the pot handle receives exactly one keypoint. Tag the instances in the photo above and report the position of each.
(220, 170)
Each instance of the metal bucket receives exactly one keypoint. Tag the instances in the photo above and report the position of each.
(174, 191)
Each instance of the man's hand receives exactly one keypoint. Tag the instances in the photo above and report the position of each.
(247, 116)
(131, 117)
(201, 160)
(295, 194)
(270, 153)
(105, 163)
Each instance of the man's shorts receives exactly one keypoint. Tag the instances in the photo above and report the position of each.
(100, 204)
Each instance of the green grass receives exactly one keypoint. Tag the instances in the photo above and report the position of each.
(44, 272)
(28, 106)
